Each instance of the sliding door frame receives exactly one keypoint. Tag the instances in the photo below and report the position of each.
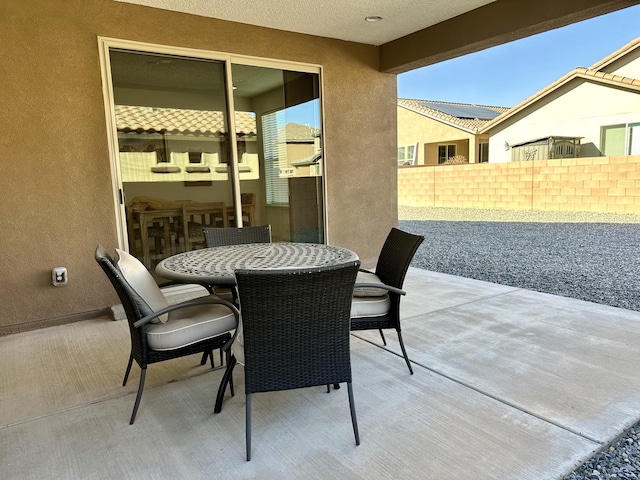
(105, 44)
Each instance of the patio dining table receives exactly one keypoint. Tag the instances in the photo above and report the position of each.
(217, 265)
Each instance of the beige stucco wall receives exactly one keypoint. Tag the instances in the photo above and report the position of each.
(578, 109)
(57, 203)
(414, 127)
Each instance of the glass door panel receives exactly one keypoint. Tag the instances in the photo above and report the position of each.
(181, 151)
(174, 151)
(287, 151)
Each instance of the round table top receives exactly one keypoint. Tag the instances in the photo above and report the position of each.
(216, 265)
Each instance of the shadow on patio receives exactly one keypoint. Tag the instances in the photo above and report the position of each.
(508, 384)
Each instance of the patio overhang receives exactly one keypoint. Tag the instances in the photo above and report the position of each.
(496, 23)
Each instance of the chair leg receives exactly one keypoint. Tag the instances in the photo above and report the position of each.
(404, 352)
(223, 384)
(229, 357)
(205, 357)
(248, 427)
(126, 374)
(143, 374)
(352, 407)
(384, 341)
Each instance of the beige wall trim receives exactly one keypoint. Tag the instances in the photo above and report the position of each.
(498, 22)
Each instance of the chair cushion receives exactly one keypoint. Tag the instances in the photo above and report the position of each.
(190, 325)
(237, 348)
(370, 306)
(136, 275)
(368, 277)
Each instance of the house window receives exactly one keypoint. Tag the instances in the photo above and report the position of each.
(623, 139)
(402, 153)
(483, 155)
(407, 154)
(445, 152)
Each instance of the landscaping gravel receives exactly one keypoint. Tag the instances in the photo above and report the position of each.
(592, 257)
(596, 262)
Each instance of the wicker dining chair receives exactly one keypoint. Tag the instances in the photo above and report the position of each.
(161, 332)
(293, 333)
(376, 300)
(216, 237)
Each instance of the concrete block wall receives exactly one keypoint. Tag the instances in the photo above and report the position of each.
(594, 184)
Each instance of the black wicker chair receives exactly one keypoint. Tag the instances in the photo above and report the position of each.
(216, 237)
(294, 332)
(196, 326)
(376, 301)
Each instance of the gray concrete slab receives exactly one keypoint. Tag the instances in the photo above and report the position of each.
(508, 384)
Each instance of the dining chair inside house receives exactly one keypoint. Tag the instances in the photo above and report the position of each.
(376, 298)
(293, 333)
(160, 331)
(159, 233)
(248, 209)
(196, 217)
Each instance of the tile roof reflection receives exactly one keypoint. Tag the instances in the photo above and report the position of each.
(131, 118)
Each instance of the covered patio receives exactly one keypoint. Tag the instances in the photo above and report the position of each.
(508, 384)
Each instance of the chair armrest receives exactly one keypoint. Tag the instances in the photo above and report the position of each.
(382, 286)
(190, 303)
(365, 270)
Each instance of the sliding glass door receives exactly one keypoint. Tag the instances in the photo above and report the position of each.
(211, 140)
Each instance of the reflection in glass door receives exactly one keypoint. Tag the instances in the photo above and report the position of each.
(288, 194)
(185, 163)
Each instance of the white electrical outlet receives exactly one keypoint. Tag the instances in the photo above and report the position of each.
(59, 276)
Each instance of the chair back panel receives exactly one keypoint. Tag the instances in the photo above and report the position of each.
(296, 326)
(396, 255)
(216, 237)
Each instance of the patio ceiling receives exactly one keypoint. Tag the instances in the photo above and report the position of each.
(411, 33)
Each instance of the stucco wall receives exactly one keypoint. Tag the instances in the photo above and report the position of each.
(57, 203)
(599, 184)
(413, 127)
(578, 109)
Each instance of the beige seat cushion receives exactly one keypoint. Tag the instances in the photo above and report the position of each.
(139, 278)
(238, 345)
(370, 306)
(368, 277)
(190, 325)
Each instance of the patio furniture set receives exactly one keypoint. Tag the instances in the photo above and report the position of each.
(298, 304)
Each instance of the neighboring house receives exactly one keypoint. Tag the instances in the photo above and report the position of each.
(589, 112)
(430, 132)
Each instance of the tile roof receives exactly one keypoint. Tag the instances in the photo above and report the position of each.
(593, 74)
(612, 57)
(130, 118)
(451, 113)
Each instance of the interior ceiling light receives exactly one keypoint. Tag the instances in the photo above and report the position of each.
(373, 18)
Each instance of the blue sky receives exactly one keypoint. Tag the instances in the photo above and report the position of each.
(507, 74)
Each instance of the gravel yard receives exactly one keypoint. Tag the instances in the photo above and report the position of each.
(593, 257)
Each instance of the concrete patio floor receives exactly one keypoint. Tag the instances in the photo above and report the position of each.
(508, 384)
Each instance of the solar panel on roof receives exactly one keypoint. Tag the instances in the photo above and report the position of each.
(463, 111)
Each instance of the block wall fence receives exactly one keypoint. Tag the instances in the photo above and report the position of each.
(595, 184)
